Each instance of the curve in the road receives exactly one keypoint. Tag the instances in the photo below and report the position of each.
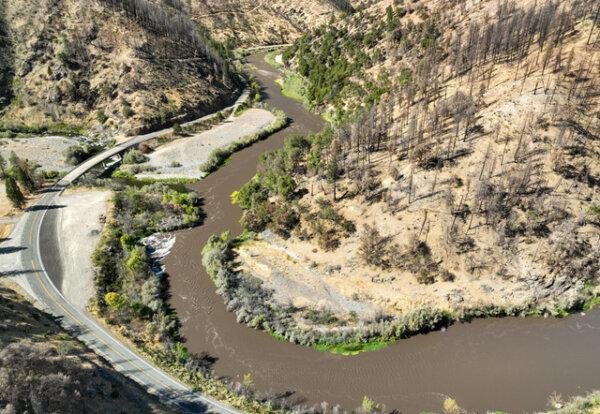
(25, 263)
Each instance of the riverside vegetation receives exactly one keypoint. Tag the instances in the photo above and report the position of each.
(219, 156)
(444, 186)
(132, 297)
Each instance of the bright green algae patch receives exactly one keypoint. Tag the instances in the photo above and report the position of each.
(353, 348)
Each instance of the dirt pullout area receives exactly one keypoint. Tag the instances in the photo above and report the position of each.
(46, 151)
(79, 228)
(182, 158)
(43, 367)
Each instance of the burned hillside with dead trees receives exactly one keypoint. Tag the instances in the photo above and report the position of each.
(105, 67)
(461, 172)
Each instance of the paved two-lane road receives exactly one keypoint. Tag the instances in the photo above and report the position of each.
(22, 258)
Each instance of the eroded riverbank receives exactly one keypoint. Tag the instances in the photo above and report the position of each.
(512, 364)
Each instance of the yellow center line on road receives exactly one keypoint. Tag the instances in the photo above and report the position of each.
(31, 232)
(79, 321)
(56, 300)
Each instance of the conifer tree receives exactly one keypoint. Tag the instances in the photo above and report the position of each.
(13, 192)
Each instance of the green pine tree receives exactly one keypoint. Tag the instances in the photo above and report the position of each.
(21, 172)
(13, 192)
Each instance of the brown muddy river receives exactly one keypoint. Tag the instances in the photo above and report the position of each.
(510, 364)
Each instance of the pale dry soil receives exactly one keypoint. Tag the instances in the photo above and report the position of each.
(489, 273)
(8, 214)
(79, 229)
(45, 151)
(183, 157)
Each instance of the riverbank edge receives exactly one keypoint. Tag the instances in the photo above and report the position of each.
(218, 258)
(211, 387)
(218, 157)
(216, 388)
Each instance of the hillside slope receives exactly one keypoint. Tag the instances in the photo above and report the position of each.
(255, 23)
(461, 177)
(107, 65)
(43, 369)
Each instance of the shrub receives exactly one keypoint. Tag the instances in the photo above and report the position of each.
(101, 116)
(127, 111)
(327, 238)
(255, 219)
(177, 130)
(593, 214)
(283, 218)
(424, 277)
(115, 301)
(76, 154)
(447, 276)
(320, 316)
(134, 157)
(372, 247)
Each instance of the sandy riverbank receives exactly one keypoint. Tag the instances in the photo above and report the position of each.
(183, 157)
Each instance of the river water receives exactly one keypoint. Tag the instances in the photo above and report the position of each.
(510, 364)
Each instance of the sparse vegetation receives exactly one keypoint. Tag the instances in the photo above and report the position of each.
(68, 79)
(43, 368)
(444, 192)
(219, 156)
(134, 156)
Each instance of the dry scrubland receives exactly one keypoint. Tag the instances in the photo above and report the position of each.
(447, 208)
(253, 23)
(467, 181)
(43, 369)
(90, 64)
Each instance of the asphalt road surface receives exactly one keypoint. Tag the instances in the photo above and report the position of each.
(30, 256)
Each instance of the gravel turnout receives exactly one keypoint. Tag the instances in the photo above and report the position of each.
(79, 229)
(182, 158)
(47, 151)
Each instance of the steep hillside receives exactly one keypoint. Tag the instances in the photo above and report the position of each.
(43, 369)
(107, 65)
(461, 177)
(246, 23)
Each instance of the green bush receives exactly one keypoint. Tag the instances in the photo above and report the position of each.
(101, 116)
(76, 154)
(134, 157)
(127, 111)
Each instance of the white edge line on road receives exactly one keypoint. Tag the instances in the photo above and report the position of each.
(86, 319)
